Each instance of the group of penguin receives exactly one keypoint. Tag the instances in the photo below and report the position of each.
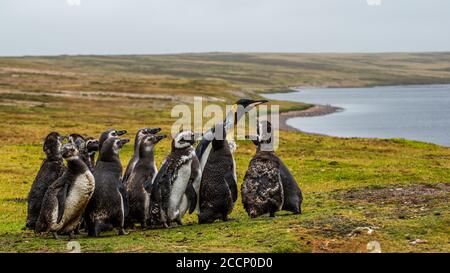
(93, 194)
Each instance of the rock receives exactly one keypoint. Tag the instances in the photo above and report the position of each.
(418, 241)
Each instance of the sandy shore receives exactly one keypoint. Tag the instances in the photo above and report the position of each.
(316, 110)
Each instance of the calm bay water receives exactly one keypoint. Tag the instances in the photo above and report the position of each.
(411, 112)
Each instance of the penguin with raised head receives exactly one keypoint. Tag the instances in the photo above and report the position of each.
(172, 191)
(105, 210)
(144, 170)
(51, 168)
(92, 146)
(268, 184)
(66, 199)
(141, 133)
(238, 110)
(218, 187)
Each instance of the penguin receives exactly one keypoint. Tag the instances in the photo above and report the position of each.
(106, 209)
(172, 191)
(107, 134)
(92, 146)
(145, 169)
(66, 199)
(204, 148)
(261, 192)
(87, 148)
(141, 133)
(218, 186)
(51, 169)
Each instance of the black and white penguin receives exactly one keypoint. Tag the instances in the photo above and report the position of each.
(261, 192)
(204, 148)
(87, 148)
(141, 133)
(218, 187)
(92, 147)
(108, 134)
(105, 210)
(51, 168)
(172, 191)
(144, 170)
(66, 199)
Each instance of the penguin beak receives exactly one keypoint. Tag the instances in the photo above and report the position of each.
(121, 132)
(124, 141)
(255, 103)
(160, 137)
(152, 131)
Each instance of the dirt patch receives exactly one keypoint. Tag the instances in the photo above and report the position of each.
(334, 226)
(400, 201)
(417, 194)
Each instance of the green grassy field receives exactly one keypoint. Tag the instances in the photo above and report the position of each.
(397, 187)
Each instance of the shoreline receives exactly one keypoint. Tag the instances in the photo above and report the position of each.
(314, 111)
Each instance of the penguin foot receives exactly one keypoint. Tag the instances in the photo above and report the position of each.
(55, 235)
(72, 236)
(179, 222)
(272, 214)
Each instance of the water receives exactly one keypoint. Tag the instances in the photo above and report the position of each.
(410, 112)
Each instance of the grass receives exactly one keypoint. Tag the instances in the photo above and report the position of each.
(326, 168)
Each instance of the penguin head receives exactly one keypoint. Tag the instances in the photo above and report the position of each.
(249, 104)
(52, 145)
(70, 151)
(111, 148)
(108, 134)
(141, 133)
(78, 141)
(148, 142)
(264, 133)
(239, 109)
(92, 145)
(183, 140)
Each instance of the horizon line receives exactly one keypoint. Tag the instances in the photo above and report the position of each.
(225, 52)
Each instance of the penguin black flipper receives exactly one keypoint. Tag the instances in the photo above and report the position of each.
(232, 185)
(62, 194)
(292, 194)
(190, 192)
(201, 148)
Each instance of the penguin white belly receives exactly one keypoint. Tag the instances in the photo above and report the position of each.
(78, 197)
(183, 206)
(155, 172)
(178, 189)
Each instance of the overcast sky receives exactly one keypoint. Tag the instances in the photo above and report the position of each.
(51, 27)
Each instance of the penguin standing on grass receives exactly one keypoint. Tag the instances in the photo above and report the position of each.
(106, 209)
(51, 168)
(268, 185)
(172, 192)
(66, 199)
(141, 133)
(144, 170)
(218, 187)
